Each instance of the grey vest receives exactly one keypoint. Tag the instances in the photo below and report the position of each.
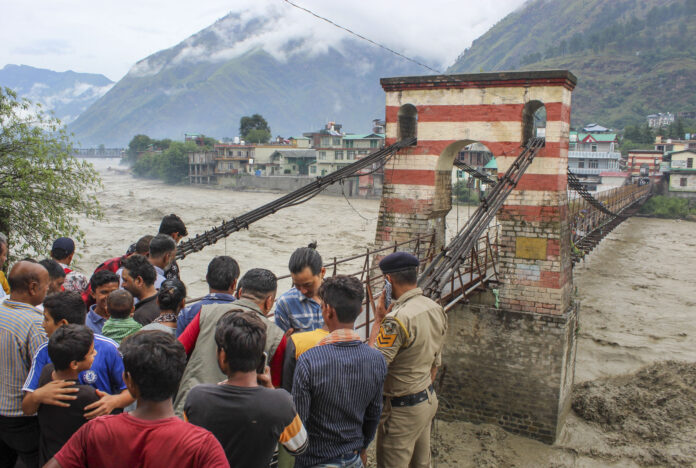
(202, 367)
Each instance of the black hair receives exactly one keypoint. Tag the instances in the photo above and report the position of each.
(171, 293)
(345, 294)
(259, 283)
(101, 278)
(142, 247)
(20, 281)
(306, 257)
(161, 244)
(407, 276)
(59, 254)
(66, 305)
(119, 304)
(69, 343)
(223, 271)
(139, 266)
(242, 335)
(155, 360)
(55, 271)
(171, 224)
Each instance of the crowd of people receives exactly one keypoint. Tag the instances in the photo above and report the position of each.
(117, 370)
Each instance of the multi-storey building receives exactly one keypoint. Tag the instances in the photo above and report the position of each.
(590, 154)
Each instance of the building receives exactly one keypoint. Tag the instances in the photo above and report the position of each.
(660, 120)
(682, 174)
(202, 167)
(590, 154)
(336, 152)
(291, 161)
(649, 161)
(668, 145)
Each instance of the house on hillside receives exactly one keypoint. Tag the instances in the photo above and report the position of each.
(682, 174)
(668, 145)
(291, 162)
(590, 154)
(660, 120)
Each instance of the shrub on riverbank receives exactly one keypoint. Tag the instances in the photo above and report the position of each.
(668, 207)
(170, 165)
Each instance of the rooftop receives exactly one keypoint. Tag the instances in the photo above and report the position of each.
(516, 78)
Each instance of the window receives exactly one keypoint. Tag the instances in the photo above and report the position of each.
(348, 143)
(690, 163)
(373, 143)
(594, 164)
(313, 169)
(572, 146)
(350, 155)
(325, 141)
(581, 164)
(362, 153)
(682, 182)
(338, 155)
(322, 155)
(337, 142)
(593, 148)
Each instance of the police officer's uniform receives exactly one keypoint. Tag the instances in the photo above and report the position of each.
(410, 339)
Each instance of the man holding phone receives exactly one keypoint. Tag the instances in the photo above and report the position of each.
(409, 334)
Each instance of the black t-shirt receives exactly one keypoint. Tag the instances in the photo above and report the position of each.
(56, 423)
(248, 421)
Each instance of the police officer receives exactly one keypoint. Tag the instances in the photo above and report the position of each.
(410, 335)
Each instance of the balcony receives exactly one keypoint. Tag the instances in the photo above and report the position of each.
(587, 170)
(594, 155)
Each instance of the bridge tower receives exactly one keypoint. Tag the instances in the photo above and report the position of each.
(511, 365)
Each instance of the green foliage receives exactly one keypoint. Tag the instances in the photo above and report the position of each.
(463, 193)
(257, 136)
(43, 189)
(170, 165)
(668, 207)
(142, 143)
(254, 129)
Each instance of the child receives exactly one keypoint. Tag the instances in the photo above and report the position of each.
(151, 435)
(71, 349)
(120, 324)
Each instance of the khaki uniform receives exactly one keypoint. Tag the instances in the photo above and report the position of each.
(410, 339)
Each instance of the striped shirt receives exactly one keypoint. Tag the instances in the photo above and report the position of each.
(297, 311)
(21, 335)
(338, 394)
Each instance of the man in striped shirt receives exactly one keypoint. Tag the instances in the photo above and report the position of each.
(21, 334)
(338, 384)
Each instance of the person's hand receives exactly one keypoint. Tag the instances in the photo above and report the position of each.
(363, 456)
(289, 332)
(57, 393)
(265, 379)
(105, 405)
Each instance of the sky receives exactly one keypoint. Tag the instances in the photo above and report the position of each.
(109, 37)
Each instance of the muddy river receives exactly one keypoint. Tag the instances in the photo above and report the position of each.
(635, 398)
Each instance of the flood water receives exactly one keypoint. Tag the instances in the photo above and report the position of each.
(637, 293)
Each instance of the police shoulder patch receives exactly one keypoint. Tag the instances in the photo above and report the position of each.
(387, 334)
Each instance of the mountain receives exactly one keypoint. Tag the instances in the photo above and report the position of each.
(67, 94)
(632, 57)
(246, 63)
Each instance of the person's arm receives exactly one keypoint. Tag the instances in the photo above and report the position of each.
(73, 454)
(282, 316)
(374, 409)
(392, 335)
(52, 463)
(211, 454)
(189, 337)
(381, 311)
(301, 391)
(294, 437)
(107, 403)
(56, 392)
(289, 363)
(276, 363)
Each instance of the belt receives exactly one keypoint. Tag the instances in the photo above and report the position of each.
(412, 400)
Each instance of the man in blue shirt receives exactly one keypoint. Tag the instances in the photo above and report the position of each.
(106, 373)
(101, 285)
(300, 307)
(337, 386)
(222, 275)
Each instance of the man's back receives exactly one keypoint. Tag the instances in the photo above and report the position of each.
(248, 421)
(123, 440)
(338, 394)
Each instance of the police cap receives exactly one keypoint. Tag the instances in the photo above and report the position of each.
(398, 261)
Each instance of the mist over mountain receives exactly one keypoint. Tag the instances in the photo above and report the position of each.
(245, 63)
(67, 94)
(632, 57)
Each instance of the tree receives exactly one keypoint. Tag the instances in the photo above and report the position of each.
(43, 189)
(257, 136)
(138, 144)
(170, 165)
(255, 122)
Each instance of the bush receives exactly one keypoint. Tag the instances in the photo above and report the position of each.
(668, 207)
(170, 165)
(464, 194)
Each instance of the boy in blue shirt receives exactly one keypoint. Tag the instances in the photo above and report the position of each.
(105, 375)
